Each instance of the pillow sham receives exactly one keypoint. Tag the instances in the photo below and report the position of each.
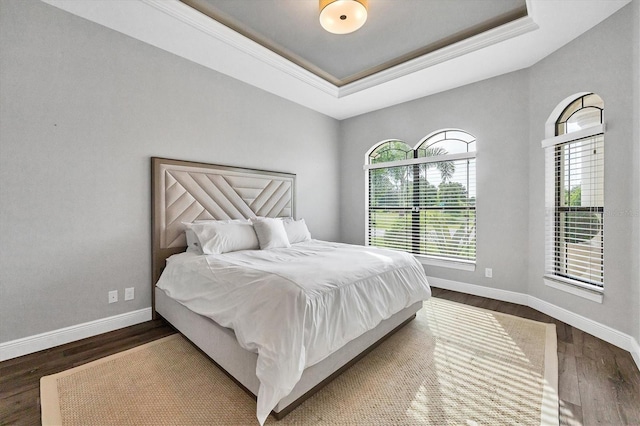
(296, 230)
(193, 245)
(271, 233)
(218, 237)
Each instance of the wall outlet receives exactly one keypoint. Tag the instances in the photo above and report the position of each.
(129, 293)
(488, 272)
(113, 296)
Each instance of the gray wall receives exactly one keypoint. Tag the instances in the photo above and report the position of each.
(83, 108)
(599, 61)
(636, 175)
(496, 112)
(507, 114)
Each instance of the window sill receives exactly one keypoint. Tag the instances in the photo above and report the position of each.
(595, 295)
(451, 264)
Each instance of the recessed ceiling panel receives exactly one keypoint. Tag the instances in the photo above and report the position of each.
(396, 30)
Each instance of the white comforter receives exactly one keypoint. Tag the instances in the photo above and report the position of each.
(295, 306)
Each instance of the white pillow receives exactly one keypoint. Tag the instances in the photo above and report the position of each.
(193, 245)
(271, 233)
(218, 237)
(297, 231)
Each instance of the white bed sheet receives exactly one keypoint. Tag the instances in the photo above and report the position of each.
(295, 306)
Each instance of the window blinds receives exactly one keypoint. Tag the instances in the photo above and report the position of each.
(425, 208)
(575, 209)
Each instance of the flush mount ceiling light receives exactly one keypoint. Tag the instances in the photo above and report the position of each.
(343, 16)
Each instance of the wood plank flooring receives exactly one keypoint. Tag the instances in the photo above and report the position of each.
(20, 377)
(598, 382)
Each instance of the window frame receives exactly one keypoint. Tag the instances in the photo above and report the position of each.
(560, 138)
(431, 259)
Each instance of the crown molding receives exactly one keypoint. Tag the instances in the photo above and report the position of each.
(173, 26)
(222, 33)
(470, 45)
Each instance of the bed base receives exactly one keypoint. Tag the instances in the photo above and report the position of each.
(221, 346)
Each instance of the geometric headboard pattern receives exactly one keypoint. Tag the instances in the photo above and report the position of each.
(184, 191)
(205, 193)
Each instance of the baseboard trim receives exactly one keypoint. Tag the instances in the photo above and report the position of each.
(31, 344)
(50, 339)
(587, 325)
(606, 333)
(478, 290)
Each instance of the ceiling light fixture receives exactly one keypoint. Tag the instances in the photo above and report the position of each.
(343, 16)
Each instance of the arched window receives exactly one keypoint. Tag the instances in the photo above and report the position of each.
(574, 161)
(422, 199)
(584, 112)
(391, 150)
(446, 141)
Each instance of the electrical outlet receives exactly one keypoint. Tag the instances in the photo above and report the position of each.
(113, 296)
(488, 272)
(129, 293)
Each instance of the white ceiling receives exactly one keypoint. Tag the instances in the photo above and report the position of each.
(177, 28)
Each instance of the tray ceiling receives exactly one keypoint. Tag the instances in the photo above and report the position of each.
(396, 30)
(407, 49)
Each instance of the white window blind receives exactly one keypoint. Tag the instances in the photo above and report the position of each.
(426, 207)
(575, 208)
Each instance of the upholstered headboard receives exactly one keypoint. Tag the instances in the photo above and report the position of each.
(184, 191)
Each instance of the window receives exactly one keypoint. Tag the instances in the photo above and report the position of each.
(423, 200)
(574, 161)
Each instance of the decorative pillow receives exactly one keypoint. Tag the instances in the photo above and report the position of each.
(271, 233)
(218, 237)
(296, 230)
(193, 245)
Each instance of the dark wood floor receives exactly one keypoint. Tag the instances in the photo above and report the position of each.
(598, 382)
(20, 377)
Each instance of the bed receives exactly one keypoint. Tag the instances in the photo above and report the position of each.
(243, 295)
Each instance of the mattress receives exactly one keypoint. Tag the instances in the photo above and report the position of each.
(295, 306)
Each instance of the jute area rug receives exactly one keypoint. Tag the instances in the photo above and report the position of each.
(454, 364)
